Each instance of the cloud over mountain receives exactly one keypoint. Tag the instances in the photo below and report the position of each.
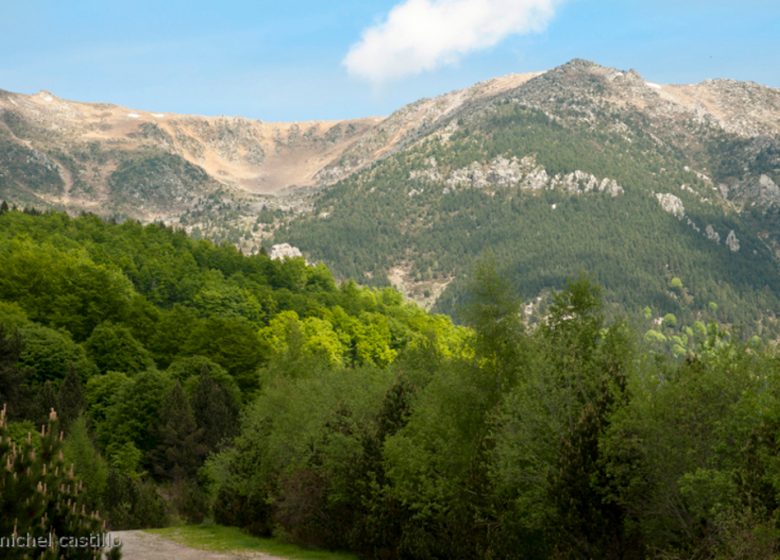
(422, 35)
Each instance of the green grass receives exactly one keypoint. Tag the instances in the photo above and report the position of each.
(218, 538)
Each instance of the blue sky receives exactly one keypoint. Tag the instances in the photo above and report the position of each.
(276, 60)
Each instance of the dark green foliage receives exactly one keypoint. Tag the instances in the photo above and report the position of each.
(70, 399)
(113, 348)
(562, 442)
(232, 343)
(215, 404)
(132, 502)
(51, 353)
(180, 450)
(132, 416)
(46, 400)
(341, 417)
(12, 376)
(89, 466)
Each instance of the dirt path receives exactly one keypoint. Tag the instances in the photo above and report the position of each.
(137, 545)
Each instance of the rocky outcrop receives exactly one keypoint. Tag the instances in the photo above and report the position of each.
(504, 173)
(671, 204)
(711, 234)
(732, 242)
(284, 251)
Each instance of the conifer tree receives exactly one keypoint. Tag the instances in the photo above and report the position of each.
(40, 496)
(45, 402)
(215, 410)
(181, 450)
(11, 376)
(70, 398)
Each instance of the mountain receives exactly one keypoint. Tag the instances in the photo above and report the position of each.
(210, 174)
(666, 194)
(580, 169)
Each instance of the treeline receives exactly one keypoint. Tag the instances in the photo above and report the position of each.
(150, 344)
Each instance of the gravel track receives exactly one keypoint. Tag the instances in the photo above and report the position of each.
(138, 545)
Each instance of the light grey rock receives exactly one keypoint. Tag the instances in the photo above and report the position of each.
(732, 242)
(711, 234)
(671, 204)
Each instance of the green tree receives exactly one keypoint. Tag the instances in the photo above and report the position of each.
(70, 398)
(51, 354)
(113, 348)
(231, 342)
(12, 377)
(180, 450)
(216, 403)
(89, 466)
(40, 494)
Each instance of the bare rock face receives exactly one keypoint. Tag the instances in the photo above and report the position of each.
(671, 204)
(711, 234)
(525, 174)
(732, 242)
(284, 251)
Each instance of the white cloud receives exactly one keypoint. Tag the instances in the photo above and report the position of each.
(421, 35)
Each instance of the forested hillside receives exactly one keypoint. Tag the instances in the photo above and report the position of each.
(149, 344)
(195, 383)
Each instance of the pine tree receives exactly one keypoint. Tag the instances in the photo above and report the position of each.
(40, 496)
(70, 398)
(11, 376)
(181, 450)
(215, 409)
(45, 402)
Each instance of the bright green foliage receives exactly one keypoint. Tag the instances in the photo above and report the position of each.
(51, 353)
(61, 288)
(312, 337)
(343, 417)
(92, 314)
(219, 297)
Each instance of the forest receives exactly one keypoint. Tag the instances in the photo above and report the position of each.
(193, 383)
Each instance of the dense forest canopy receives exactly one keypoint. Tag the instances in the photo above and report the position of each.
(193, 382)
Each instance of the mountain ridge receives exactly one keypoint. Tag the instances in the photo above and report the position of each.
(413, 198)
